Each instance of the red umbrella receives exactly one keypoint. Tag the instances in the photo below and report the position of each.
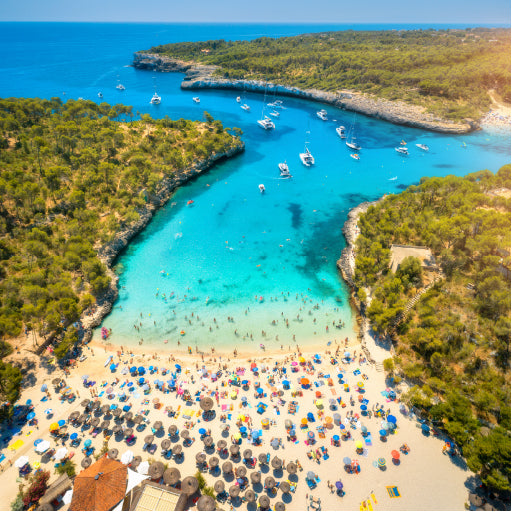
(253, 365)
(395, 454)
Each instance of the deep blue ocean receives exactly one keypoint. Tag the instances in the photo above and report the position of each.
(266, 261)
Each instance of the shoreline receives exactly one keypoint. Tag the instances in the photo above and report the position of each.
(200, 76)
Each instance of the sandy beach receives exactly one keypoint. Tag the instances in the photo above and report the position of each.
(425, 478)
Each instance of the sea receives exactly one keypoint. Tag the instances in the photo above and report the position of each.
(223, 265)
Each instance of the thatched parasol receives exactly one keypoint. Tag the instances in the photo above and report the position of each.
(45, 506)
(156, 470)
(185, 434)
(291, 468)
(206, 404)
(128, 432)
(157, 425)
(279, 506)
(234, 450)
(74, 415)
(135, 462)
(117, 412)
(277, 463)
(86, 403)
(96, 405)
(105, 408)
(177, 449)
(100, 487)
(172, 430)
(219, 486)
(189, 485)
(234, 491)
(165, 444)
(200, 457)
(227, 467)
(113, 453)
(247, 453)
(206, 502)
(264, 501)
(270, 483)
(208, 441)
(221, 444)
(241, 471)
(213, 462)
(82, 418)
(105, 424)
(138, 419)
(116, 429)
(262, 457)
(250, 495)
(172, 476)
(475, 500)
(149, 439)
(128, 416)
(256, 477)
(284, 487)
(86, 462)
(56, 381)
(95, 422)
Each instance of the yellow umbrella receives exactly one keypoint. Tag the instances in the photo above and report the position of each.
(36, 465)
(359, 445)
(360, 384)
(16, 445)
(328, 419)
(301, 360)
(319, 403)
(304, 421)
(233, 395)
(54, 426)
(237, 435)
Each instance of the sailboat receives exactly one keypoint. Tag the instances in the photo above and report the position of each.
(306, 157)
(119, 85)
(266, 123)
(351, 143)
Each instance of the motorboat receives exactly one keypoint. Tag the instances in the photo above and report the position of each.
(120, 87)
(155, 100)
(238, 99)
(261, 187)
(403, 143)
(353, 145)
(355, 156)
(307, 158)
(275, 113)
(245, 107)
(100, 95)
(341, 132)
(196, 99)
(423, 146)
(322, 114)
(402, 150)
(285, 171)
(266, 123)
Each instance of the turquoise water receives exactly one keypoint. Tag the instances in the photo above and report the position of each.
(235, 252)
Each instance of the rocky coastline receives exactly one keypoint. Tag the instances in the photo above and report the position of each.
(199, 76)
(109, 252)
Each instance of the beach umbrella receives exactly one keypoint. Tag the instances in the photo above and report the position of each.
(247, 453)
(112, 367)
(22, 461)
(262, 457)
(73, 416)
(189, 485)
(61, 423)
(202, 431)
(218, 487)
(82, 418)
(364, 429)
(311, 434)
(172, 430)
(264, 501)
(54, 425)
(165, 444)
(270, 483)
(42, 446)
(339, 485)
(213, 462)
(425, 427)
(135, 463)
(149, 439)
(157, 425)
(44, 388)
(128, 432)
(127, 457)
(86, 403)
(141, 370)
(234, 491)
(227, 467)
(256, 477)
(234, 449)
(274, 443)
(395, 454)
(177, 449)
(475, 500)
(86, 462)
(241, 472)
(116, 429)
(206, 404)
(61, 453)
(96, 405)
(208, 441)
(143, 467)
(117, 412)
(87, 443)
(391, 419)
(105, 408)
(138, 419)
(250, 495)
(279, 506)
(276, 463)
(221, 444)
(48, 412)
(172, 476)
(291, 468)
(363, 407)
(336, 438)
(381, 461)
(105, 424)
(359, 445)
(284, 487)
(185, 434)
(37, 441)
(311, 476)
(383, 433)
(206, 502)
(156, 470)
(200, 457)
(113, 453)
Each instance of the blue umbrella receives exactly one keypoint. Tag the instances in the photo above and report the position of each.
(28, 402)
(177, 366)
(61, 423)
(340, 375)
(145, 387)
(339, 485)
(150, 368)
(126, 408)
(336, 438)
(243, 429)
(391, 419)
(342, 427)
(259, 391)
(425, 427)
(113, 406)
(44, 387)
(382, 432)
(347, 460)
(255, 369)
(202, 431)
(133, 369)
(292, 432)
(141, 370)
(311, 434)
(48, 411)
(363, 407)
(113, 366)
(286, 382)
(31, 415)
(142, 380)
(87, 443)
(317, 356)
(73, 436)
(171, 382)
(245, 382)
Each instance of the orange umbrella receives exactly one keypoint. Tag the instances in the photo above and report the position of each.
(304, 381)
(318, 394)
(395, 455)
(304, 421)
(328, 419)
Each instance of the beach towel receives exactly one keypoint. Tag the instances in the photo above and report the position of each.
(393, 492)
(102, 393)
(357, 371)
(368, 440)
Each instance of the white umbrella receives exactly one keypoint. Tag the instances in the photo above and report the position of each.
(143, 467)
(21, 461)
(68, 496)
(125, 370)
(127, 457)
(42, 446)
(48, 411)
(61, 453)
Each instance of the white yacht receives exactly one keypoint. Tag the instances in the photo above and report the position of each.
(285, 171)
(100, 95)
(196, 99)
(266, 123)
(275, 113)
(307, 158)
(423, 146)
(402, 150)
(155, 100)
(261, 187)
(238, 99)
(322, 114)
(341, 132)
(245, 107)
(120, 87)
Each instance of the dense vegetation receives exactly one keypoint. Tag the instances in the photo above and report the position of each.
(449, 71)
(455, 345)
(72, 175)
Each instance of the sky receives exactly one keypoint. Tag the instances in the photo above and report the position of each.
(253, 11)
